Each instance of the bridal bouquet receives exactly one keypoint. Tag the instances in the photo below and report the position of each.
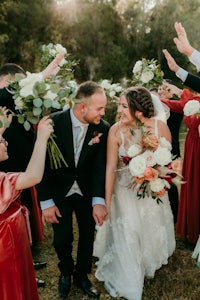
(152, 167)
(35, 97)
(191, 108)
(50, 51)
(147, 73)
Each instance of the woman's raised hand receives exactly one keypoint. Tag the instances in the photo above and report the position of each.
(170, 61)
(181, 40)
(45, 128)
(53, 68)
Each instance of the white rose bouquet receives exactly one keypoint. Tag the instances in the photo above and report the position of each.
(50, 51)
(191, 108)
(152, 167)
(147, 73)
(35, 97)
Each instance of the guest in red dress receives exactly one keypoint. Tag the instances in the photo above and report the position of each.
(17, 276)
(188, 224)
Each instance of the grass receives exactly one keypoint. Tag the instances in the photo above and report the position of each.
(179, 280)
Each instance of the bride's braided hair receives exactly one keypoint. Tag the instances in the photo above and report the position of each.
(139, 98)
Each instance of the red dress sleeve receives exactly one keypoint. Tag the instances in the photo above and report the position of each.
(8, 192)
(178, 105)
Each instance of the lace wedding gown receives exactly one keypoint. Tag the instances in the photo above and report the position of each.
(137, 239)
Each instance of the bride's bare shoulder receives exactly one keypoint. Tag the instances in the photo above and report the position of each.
(114, 130)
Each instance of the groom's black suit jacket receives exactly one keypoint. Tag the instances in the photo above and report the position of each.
(90, 170)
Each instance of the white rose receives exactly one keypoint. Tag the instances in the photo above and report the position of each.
(165, 143)
(63, 62)
(105, 84)
(50, 95)
(191, 108)
(137, 166)
(137, 67)
(60, 49)
(149, 158)
(53, 52)
(146, 76)
(28, 83)
(157, 185)
(162, 156)
(134, 150)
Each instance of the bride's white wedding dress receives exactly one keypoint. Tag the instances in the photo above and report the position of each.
(137, 239)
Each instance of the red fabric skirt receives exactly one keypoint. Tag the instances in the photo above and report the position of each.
(17, 275)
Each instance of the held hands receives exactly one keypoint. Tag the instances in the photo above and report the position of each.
(45, 128)
(170, 61)
(99, 214)
(181, 41)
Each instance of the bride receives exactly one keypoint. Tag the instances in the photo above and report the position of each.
(138, 237)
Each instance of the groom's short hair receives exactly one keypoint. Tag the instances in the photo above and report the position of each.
(87, 89)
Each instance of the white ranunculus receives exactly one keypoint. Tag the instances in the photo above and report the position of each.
(162, 156)
(52, 52)
(157, 185)
(149, 158)
(112, 93)
(164, 143)
(63, 62)
(105, 84)
(192, 107)
(60, 49)
(137, 166)
(137, 67)
(146, 76)
(50, 95)
(134, 150)
(19, 103)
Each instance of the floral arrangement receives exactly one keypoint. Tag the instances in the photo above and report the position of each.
(147, 73)
(152, 167)
(35, 97)
(112, 90)
(191, 108)
(50, 51)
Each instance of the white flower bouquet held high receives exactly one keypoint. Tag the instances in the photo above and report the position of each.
(192, 108)
(50, 51)
(147, 73)
(152, 167)
(35, 97)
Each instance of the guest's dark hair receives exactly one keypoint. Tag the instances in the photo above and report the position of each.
(12, 69)
(87, 89)
(139, 98)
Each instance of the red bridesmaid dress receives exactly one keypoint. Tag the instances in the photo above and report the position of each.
(188, 222)
(17, 275)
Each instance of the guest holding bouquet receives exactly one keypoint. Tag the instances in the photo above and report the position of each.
(16, 265)
(188, 222)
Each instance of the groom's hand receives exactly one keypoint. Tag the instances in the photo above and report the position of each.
(50, 215)
(99, 213)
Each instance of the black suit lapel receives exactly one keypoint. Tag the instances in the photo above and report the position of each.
(88, 137)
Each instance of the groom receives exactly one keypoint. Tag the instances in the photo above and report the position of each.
(81, 135)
